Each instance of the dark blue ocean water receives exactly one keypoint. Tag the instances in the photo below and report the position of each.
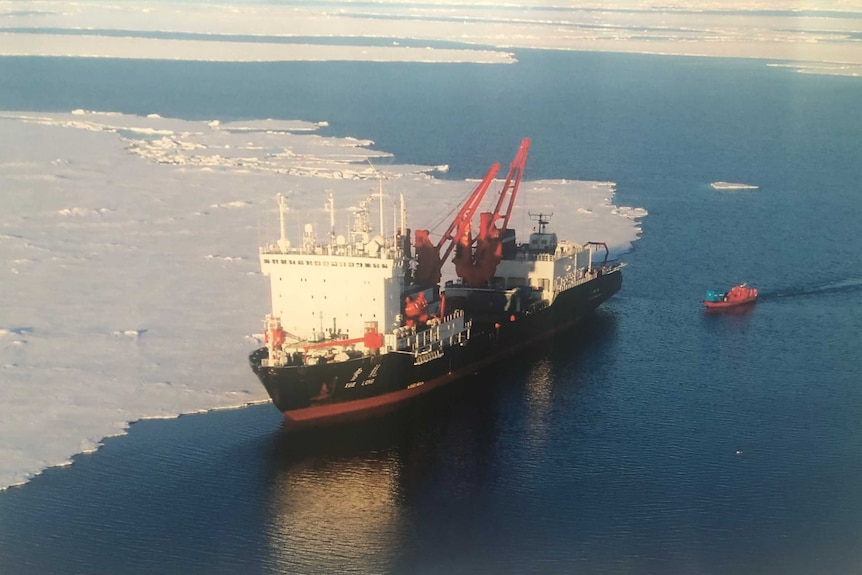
(659, 439)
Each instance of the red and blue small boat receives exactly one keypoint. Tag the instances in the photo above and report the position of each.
(737, 295)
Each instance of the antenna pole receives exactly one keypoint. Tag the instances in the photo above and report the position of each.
(283, 244)
(380, 196)
(331, 207)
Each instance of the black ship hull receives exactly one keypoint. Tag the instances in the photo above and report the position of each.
(364, 387)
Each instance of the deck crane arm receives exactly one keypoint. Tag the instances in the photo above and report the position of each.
(465, 215)
(477, 260)
(603, 245)
(478, 256)
(428, 254)
(513, 182)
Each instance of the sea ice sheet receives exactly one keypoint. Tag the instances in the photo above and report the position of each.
(128, 260)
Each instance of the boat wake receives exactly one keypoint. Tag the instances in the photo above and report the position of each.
(840, 286)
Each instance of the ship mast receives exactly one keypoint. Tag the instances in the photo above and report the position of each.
(361, 225)
(380, 231)
(403, 216)
(542, 219)
(330, 206)
(380, 199)
(283, 243)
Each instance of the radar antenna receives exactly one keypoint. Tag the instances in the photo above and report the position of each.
(542, 219)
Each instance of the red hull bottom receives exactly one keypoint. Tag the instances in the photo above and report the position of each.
(359, 409)
(724, 305)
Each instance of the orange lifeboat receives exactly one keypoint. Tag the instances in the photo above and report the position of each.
(416, 309)
(738, 295)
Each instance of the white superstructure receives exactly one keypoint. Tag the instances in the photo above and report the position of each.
(343, 299)
(320, 296)
(549, 272)
(331, 290)
(545, 265)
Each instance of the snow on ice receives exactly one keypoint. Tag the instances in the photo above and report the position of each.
(821, 39)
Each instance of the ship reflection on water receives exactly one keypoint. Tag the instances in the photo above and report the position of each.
(373, 496)
(346, 499)
(327, 509)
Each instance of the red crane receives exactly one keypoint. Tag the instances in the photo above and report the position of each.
(475, 259)
(427, 254)
(513, 182)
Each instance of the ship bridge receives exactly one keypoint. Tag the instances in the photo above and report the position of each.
(331, 290)
(547, 272)
(319, 296)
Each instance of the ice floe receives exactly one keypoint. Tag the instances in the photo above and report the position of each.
(732, 186)
(104, 307)
(820, 39)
